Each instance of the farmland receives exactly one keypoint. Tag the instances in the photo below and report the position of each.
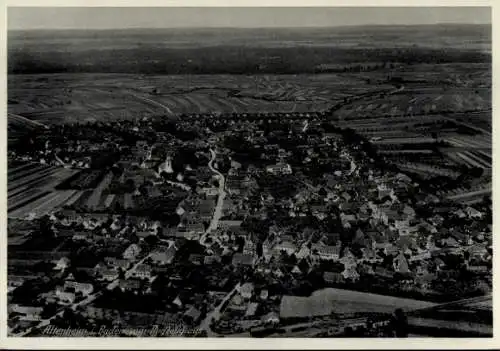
(32, 189)
(426, 108)
(90, 97)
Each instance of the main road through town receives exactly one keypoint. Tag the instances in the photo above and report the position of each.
(214, 223)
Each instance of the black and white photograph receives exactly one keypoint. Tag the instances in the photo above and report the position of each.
(249, 172)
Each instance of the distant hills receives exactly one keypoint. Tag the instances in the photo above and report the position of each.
(241, 50)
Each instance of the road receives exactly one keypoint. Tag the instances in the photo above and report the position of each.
(152, 102)
(369, 95)
(214, 223)
(138, 97)
(22, 119)
(216, 312)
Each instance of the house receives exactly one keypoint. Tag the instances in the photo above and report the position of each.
(65, 296)
(251, 309)
(177, 301)
(350, 273)
(478, 268)
(246, 290)
(192, 315)
(82, 236)
(473, 213)
(142, 271)
(130, 284)
(477, 252)
(264, 294)
(240, 259)
(117, 263)
(287, 246)
(132, 252)
(271, 318)
(326, 252)
(84, 288)
(196, 259)
(29, 312)
(62, 264)
(279, 169)
(107, 274)
(333, 278)
(303, 252)
(400, 264)
(449, 242)
(348, 259)
(420, 256)
(229, 224)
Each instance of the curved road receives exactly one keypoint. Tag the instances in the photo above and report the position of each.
(214, 223)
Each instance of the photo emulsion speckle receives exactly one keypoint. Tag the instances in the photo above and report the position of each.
(249, 172)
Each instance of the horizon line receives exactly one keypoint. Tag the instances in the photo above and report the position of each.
(262, 27)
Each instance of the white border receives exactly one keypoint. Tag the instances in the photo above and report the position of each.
(234, 343)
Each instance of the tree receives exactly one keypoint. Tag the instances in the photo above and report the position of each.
(400, 323)
(151, 240)
(260, 250)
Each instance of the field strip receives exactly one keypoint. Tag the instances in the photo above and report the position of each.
(469, 161)
(32, 206)
(109, 200)
(25, 173)
(71, 200)
(478, 159)
(470, 194)
(24, 197)
(445, 324)
(13, 212)
(55, 202)
(32, 178)
(12, 170)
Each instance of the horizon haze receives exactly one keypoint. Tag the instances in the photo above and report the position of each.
(102, 18)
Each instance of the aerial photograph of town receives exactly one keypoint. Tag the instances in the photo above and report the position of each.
(249, 172)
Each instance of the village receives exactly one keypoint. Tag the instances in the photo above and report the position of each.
(228, 225)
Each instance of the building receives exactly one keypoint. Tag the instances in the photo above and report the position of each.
(142, 271)
(29, 313)
(326, 252)
(62, 264)
(279, 169)
(333, 278)
(240, 259)
(246, 290)
(132, 252)
(84, 288)
(164, 256)
(287, 246)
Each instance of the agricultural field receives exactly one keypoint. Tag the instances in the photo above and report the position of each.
(60, 98)
(32, 189)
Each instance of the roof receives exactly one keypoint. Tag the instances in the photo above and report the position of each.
(247, 287)
(251, 309)
(193, 312)
(130, 283)
(244, 259)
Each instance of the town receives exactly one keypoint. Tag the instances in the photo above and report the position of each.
(235, 225)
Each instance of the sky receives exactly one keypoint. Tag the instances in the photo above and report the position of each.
(240, 17)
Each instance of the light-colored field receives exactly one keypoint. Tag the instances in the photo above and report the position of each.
(330, 300)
